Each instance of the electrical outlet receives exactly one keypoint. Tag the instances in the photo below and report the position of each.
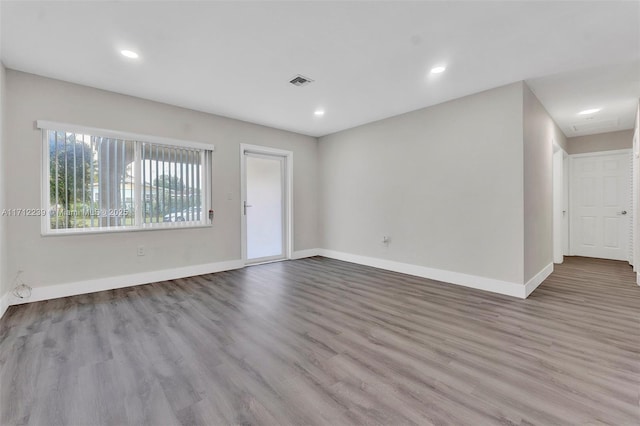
(21, 290)
(141, 251)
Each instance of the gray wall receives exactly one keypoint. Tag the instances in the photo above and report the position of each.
(4, 286)
(602, 142)
(539, 133)
(65, 259)
(445, 183)
(463, 186)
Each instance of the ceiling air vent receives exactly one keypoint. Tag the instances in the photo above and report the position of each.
(300, 80)
(594, 125)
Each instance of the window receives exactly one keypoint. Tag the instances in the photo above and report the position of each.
(98, 180)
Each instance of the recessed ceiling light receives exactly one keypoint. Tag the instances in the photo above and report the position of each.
(438, 69)
(589, 111)
(129, 54)
(318, 112)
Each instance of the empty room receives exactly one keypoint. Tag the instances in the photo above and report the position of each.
(319, 213)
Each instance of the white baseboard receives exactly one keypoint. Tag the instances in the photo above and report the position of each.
(301, 254)
(110, 283)
(638, 278)
(481, 283)
(538, 279)
(100, 284)
(4, 304)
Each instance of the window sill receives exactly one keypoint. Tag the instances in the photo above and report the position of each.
(120, 230)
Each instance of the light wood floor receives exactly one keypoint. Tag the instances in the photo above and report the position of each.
(318, 341)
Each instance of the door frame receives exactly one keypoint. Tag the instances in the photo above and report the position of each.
(635, 208)
(566, 200)
(560, 203)
(287, 194)
(572, 157)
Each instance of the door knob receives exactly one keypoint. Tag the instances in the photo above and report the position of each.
(623, 212)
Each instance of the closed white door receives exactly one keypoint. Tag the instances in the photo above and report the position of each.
(264, 207)
(600, 201)
(266, 203)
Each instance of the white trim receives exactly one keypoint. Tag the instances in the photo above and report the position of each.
(4, 304)
(122, 281)
(162, 226)
(243, 200)
(638, 278)
(45, 170)
(473, 281)
(265, 150)
(301, 254)
(635, 202)
(566, 189)
(538, 279)
(600, 153)
(110, 283)
(116, 134)
(288, 190)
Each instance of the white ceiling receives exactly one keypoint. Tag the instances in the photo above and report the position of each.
(369, 60)
(615, 88)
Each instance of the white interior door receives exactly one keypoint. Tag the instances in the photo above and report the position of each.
(600, 204)
(265, 205)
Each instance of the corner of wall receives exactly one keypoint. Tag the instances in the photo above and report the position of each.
(474, 162)
(539, 133)
(3, 239)
(4, 304)
(558, 135)
(537, 279)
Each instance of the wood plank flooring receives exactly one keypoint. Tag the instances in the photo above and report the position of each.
(319, 341)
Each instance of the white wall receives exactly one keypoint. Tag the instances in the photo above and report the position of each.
(539, 133)
(444, 182)
(67, 259)
(610, 141)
